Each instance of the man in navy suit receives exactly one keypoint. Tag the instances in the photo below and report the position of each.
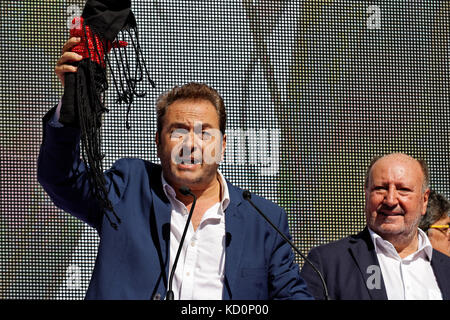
(391, 258)
(230, 252)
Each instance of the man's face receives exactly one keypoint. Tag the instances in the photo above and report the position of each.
(395, 201)
(440, 239)
(190, 144)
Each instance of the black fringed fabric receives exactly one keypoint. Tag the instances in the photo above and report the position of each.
(104, 26)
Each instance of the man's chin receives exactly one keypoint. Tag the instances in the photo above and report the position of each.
(393, 233)
(188, 178)
(190, 175)
(388, 230)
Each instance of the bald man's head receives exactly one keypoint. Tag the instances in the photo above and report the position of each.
(401, 157)
(396, 194)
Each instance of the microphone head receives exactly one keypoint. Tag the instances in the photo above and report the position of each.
(185, 190)
(247, 195)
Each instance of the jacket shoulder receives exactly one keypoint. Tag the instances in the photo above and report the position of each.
(336, 248)
(238, 193)
(335, 245)
(135, 163)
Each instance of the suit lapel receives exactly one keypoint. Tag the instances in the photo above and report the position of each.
(235, 237)
(441, 268)
(364, 255)
(160, 213)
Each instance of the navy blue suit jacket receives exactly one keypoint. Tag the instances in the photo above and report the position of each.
(346, 268)
(133, 261)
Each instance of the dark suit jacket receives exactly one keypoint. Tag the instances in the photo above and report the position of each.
(344, 265)
(133, 261)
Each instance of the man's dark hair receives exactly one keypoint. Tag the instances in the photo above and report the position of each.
(192, 90)
(438, 207)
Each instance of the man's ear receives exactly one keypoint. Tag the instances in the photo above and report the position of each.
(157, 138)
(157, 142)
(224, 145)
(426, 196)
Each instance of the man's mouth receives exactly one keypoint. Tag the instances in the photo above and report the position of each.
(388, 213)
(189, 161)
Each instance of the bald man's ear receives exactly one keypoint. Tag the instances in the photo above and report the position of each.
(426, 196)
(366, 187)
(366, 194)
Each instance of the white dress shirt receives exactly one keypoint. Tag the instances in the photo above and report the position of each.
(54, 121)
(410, 278)
(199, 274)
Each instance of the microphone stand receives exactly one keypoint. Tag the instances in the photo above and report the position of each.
(247, 196)
(185, 191)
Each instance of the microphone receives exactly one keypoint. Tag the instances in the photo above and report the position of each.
(247, 196)
(185, 191)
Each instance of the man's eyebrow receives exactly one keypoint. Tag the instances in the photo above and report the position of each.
(207, 125)
(405, 185)
(178, 125)
(184, 125)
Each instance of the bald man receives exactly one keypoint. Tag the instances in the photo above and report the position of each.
(391, 258)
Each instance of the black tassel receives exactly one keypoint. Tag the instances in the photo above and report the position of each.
(91, 84)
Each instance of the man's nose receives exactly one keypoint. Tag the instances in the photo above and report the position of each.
(191, 140)
(391, 198)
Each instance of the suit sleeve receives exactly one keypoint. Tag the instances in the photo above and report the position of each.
(63, 174)
(285, 280)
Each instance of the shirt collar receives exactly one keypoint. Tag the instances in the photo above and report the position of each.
(171, 194)
(385, 247)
